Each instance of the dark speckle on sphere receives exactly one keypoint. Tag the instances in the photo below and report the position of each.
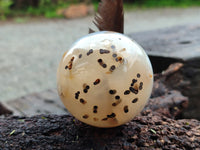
(111, 115)
(90, 52)
(114, 104)
(85, 90)
(135, 100)
(104, 65)
(95, 107)
(125, 109)
(114, 55)
(80, 56)
(138, 75)
(113, 46)
(126, 92)
(82, 101)
(135, 91)
(104, 119)
(134, 81)
(77, 95)
(112, 91)
(103, 51)
(100, 60)
(112, 68)
(141, 86)
(85, 116)
(97, 81)
(117, 97)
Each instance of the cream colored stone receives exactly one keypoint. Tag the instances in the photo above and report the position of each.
(105, 79)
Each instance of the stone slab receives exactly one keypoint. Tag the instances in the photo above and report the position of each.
(181, 42)
(45, 102)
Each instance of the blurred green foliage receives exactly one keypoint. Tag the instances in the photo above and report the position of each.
(48, 8)
(131, 4)
(167, 3)
(134, 4)
(4, 8)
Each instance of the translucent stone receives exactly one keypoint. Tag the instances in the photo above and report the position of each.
(105, 79)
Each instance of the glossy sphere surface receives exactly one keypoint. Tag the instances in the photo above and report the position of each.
(105, 79)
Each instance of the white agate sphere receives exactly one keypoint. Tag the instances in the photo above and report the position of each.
(105, 79)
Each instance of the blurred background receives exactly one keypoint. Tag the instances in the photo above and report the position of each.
(34, 34)
(55, 8)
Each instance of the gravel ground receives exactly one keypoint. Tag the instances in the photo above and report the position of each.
(30, 52)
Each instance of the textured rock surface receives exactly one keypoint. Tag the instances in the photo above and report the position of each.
(186, 79)
(153, 128)
(149, 131)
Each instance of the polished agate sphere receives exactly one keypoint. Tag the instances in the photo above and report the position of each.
(105, 79)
